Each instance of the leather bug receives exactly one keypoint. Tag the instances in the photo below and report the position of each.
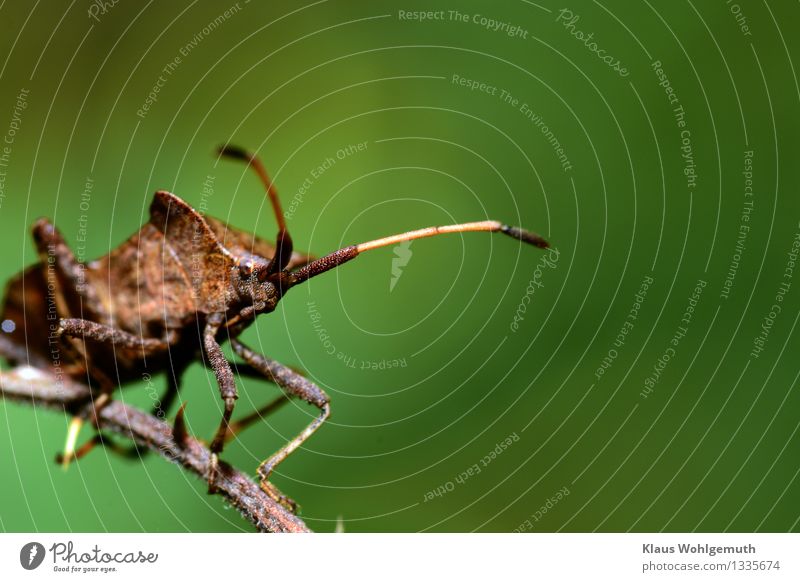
(170, 295)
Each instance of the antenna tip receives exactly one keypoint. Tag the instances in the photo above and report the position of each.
(525, 236)
(235, 152)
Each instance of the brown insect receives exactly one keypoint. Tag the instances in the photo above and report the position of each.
(168, 296)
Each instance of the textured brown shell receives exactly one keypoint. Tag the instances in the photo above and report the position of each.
(171, 272)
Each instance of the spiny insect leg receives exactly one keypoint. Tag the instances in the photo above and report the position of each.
(227, 389)
(97, 332)
(53, 249)
(67, 275)
(294, 384)
(82, 329)
(238, 426)
(71, 453)
(161, 408)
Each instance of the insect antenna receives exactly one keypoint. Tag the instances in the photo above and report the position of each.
(283, 252)
(345, 254)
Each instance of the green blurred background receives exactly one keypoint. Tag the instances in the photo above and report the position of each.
(712, 447)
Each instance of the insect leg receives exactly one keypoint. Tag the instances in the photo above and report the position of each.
(294, 384)
(90, 330)
(237, 426)
(70, 292)
(245, 370)
(98, 439)
(53, 249)
(82, 329)
(227, 389)
(19, 353)
(161, 408)
(67, 276)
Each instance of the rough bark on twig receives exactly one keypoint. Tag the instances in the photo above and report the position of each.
(33, 386)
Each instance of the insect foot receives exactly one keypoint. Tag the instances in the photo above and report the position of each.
(264, 471)
(213, 469)
(219, 438)
(279, 497)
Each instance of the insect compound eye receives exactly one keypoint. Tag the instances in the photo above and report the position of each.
(248, 272)
(254, 272)
(246, 269)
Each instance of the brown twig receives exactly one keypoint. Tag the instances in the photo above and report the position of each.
(33, 386)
